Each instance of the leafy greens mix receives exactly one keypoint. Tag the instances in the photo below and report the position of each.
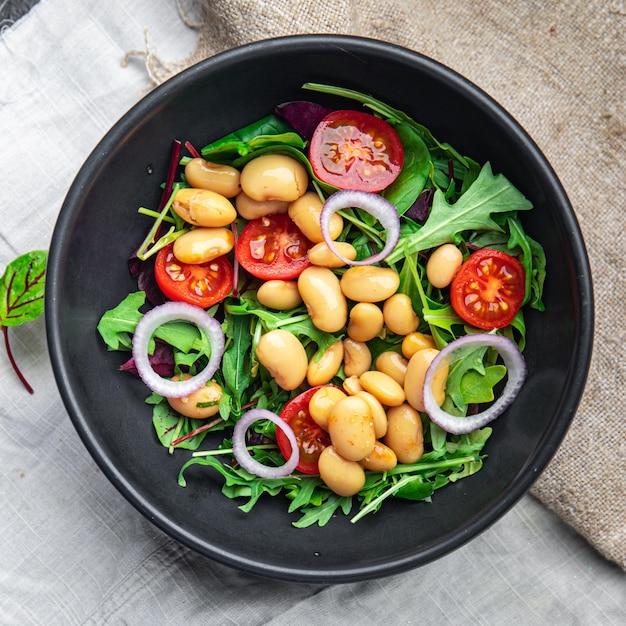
(443, 197)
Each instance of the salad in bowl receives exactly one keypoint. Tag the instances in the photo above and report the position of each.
(341, 295)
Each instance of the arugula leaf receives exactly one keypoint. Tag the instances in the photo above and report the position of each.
(22, 289)
(470, 380)
(477, 388)
(322, 513)
(304, 493)
(117, 325)
(488, 194)
(465, 360)
(466, 470)
(439, 316)
(238, 482)
(317, 504)
(415, 473)
(296, 321)
(468, 445)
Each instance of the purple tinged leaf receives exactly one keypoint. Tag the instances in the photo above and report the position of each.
(147, 282)
(420, 209)
(134, 265)
(303, 115)
(143, 271)
(162, 361)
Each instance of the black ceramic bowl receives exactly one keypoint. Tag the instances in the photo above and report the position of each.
(98, 226)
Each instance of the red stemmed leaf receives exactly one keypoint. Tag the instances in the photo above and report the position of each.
(21, 297)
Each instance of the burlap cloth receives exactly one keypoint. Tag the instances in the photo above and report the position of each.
(558, 68)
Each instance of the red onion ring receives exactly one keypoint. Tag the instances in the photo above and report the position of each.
(244, 458)
(169, 312)
(377, 206)
(516, 374)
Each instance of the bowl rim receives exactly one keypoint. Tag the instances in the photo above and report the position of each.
(575, 379)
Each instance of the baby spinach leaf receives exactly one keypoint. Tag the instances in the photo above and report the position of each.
(268, 130)
(184, 336)
(170, 426)
(403, 192)
(437, 436)
(415, 488)
(22, 289)
(533, 258)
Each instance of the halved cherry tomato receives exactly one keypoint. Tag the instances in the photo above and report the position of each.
(355, 150)
(202, 284)
(311, 438)
(488, 289)
(273, 247)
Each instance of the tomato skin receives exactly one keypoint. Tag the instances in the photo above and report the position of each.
(488, 289)
(202, 284)
(356, 150)
(312, 439)
(273, 247)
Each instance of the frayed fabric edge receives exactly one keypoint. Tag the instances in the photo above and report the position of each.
(157, 69)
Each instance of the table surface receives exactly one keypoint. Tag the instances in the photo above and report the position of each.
(73, 551)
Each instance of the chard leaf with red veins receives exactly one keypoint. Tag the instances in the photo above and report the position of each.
(21, 297)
